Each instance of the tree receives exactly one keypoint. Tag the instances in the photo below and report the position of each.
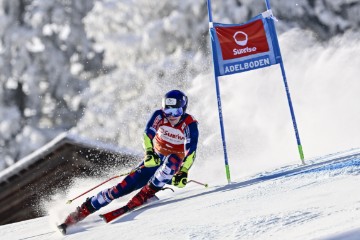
(46, 60)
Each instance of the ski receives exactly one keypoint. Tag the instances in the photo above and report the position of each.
(122, 211)
(109, 216)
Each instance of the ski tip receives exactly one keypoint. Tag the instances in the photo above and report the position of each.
(62, 228)
(103, 218)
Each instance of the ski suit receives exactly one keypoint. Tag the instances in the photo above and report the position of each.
(175, 145)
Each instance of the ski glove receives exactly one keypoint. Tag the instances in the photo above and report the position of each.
(151, 159)
(179, 179)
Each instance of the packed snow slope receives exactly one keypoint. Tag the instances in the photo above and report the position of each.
(319, 200)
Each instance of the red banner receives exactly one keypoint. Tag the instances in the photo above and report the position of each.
(241, 41)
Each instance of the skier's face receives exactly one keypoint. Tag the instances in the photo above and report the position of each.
(173, 120)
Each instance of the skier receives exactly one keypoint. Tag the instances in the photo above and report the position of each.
(170, 142)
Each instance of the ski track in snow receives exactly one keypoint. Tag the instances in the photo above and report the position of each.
(316, 201)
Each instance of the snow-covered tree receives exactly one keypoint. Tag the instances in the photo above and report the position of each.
(158, 45)
(45, 61)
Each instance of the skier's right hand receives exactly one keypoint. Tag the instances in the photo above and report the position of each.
(151, 159)
(180, 179)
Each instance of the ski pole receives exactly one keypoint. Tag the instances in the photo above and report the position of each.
(123, 174)
(203, 184)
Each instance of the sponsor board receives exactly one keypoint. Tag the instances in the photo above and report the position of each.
(244, 47)
(243, 40)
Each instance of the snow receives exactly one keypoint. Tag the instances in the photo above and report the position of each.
(316, 201)
(149, 58)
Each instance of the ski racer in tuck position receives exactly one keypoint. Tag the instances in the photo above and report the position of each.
(170, 142)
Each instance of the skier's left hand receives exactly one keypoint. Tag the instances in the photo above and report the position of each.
(179, 179)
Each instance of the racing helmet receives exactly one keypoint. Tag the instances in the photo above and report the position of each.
(174, 103)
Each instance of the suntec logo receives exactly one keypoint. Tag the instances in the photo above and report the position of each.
(243, 40)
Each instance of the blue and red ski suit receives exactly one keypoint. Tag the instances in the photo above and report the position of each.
(176, 147)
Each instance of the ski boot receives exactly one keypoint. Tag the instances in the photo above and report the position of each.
(148, 191)
(78, 215)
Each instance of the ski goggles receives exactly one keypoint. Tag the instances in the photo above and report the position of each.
(175, 112)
